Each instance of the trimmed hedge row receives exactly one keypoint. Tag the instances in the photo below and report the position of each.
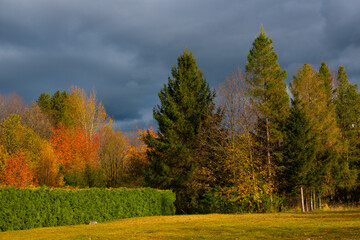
(31, 208)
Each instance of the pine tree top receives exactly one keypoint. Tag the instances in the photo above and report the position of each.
(342, 78)
(262, 65)
(325, 77)
(184, 98)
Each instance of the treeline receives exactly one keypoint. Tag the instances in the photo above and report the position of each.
(251, 148)
(66, 139)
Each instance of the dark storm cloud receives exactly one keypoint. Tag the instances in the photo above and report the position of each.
(125, 49)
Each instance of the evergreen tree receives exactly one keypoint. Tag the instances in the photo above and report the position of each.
(185, 102)
(299, 150)
(57, 107)
(326, 80)
(347, 105)
(268, 95)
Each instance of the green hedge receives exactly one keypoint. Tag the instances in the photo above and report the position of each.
(31, 208)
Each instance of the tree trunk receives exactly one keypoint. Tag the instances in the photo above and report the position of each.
(268, 153)
(314, 200)
(311, 202)
(320, 202)
(302, 199)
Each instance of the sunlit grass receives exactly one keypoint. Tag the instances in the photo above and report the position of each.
(318, 225)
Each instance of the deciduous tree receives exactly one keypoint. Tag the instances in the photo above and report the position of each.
(17, 171)
(248, 182)
(47, 167)
(137, 159)
(113, 157)
(11, 104)
(312, 89)
(78, 154)
(35, 119)
(87, 111)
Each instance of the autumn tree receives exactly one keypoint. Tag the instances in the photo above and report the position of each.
(17, 171)
(137, 160)
(87, 111)
(15, 137)
(113, 157)
(38, 121)
(20, 143)
(78, 155)
(312, 89)
(3, 155)
(47, 167)
(11, 104)
(268, 96)
(184, 102)
(247, 173)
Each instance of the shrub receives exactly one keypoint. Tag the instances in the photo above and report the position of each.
(214, 202)
(43, 207)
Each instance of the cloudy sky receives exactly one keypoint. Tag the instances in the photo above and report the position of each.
(125, 49)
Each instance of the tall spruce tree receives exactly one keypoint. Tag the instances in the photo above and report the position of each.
(347, 105)
(269, 96)
(299, 151)
(326, 80)
(185, 103)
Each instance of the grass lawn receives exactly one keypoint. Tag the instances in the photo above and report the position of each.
(318, 225)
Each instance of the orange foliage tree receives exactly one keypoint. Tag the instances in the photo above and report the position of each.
(75, 149)
(47, 170)
(17, 171)
(16, 137)
(137, 160)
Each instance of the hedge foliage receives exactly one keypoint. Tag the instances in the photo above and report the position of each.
(31, 208)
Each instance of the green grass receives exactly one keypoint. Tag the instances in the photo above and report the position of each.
(318, 225)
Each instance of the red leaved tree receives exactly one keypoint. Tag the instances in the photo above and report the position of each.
(76, 150)
(17, 171)
(74, 147)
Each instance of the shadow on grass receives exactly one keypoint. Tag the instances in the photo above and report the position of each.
(350, 215)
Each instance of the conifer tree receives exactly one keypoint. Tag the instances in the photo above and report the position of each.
(57, 107)
(268, 95)
(185, 102)
(347, 105)
(299, 150)
(326, 80)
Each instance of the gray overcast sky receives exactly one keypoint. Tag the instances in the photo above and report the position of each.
(125, 49)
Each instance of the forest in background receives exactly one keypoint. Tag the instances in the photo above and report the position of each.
(250, 148)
